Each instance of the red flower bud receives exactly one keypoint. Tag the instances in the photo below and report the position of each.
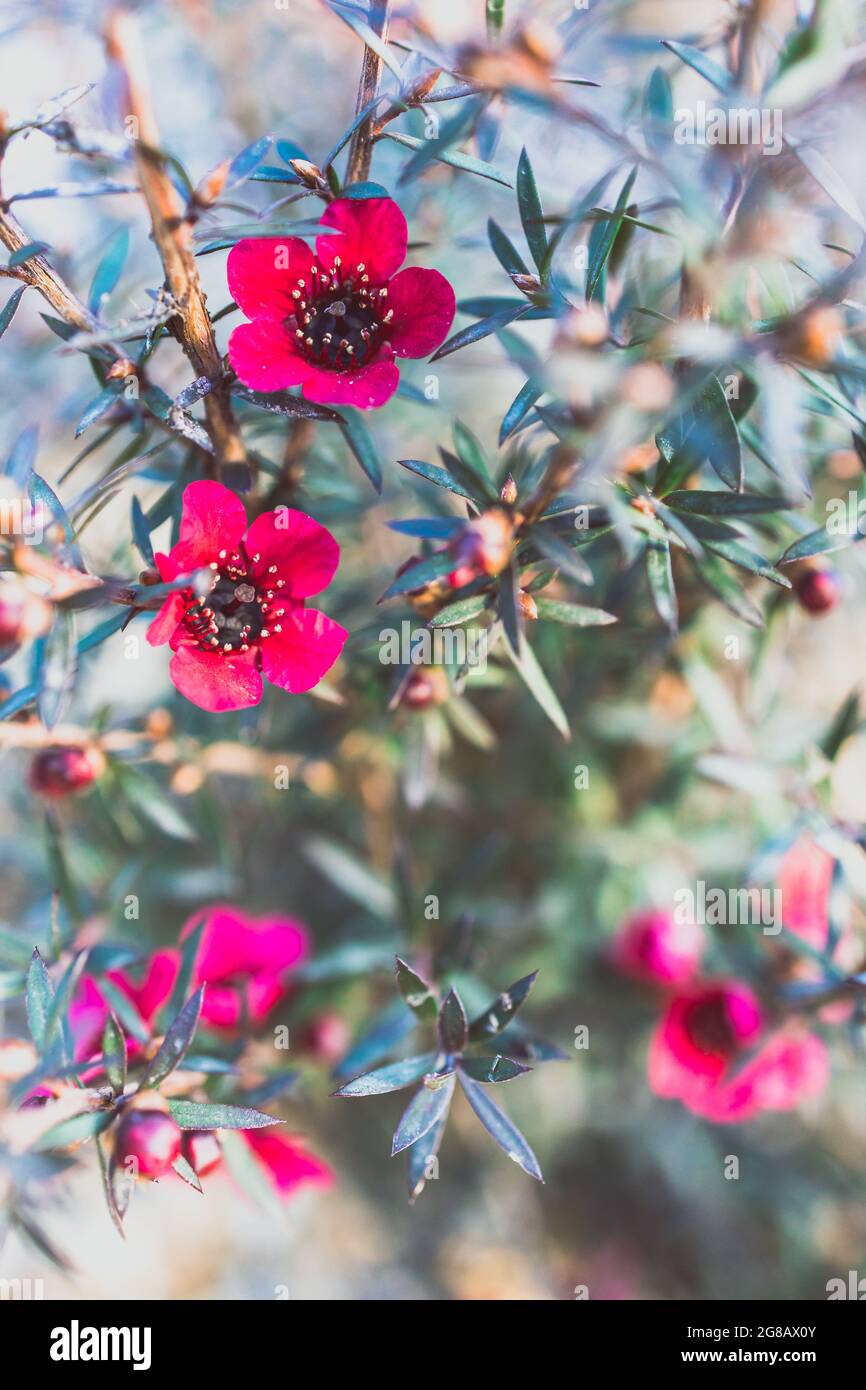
(150, 1140)
(487, 542)
(426, 686)
(818, 590)
(326, 1037)
(64, 769)
(202, 1150)
(22, 614)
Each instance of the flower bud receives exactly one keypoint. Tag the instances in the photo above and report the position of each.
(64, 769)
(326, 1037)
(487, 542)
(202, 1150)
(527, 606)
(585, 326)
(426, 686)
(508, 492)
(818, 590)
(23, 614)
(149, 1140)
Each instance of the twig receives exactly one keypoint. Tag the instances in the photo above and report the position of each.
(172, 234)
(361, 147)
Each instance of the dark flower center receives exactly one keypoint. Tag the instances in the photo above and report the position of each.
(339, 321)
(709, 1028)
(239, 611)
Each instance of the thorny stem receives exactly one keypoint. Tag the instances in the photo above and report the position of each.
(172, 234)
(361, 147)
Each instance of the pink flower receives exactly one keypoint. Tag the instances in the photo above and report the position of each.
(243, 960)
(655, 947)
(253, 622)
(804, 881)
(332, 321)
(287, 1163)
(713, 1052)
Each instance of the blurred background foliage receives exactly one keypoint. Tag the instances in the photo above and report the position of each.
(699, 766)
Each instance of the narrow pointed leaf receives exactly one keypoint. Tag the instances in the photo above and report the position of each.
(426, 1108)
(531, 213)
(189, 1114)
(492, 1069)
(452, 1023)
(502, 1010)
(502, 1130)
(420, 996)
(39, 997)
(175, 1043)
(391, 1078)
(186, 1171)
(114, 1054)
(422, 1155)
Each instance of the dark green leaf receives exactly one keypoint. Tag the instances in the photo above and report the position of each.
(175, 1043)
(452, 1023)
(420, 996)
(505, 251)
(434, 474)
(602, 245)
(7, 313)
(186, 1171)
(75, 1130)
(519, 408)
(394, 1077)
(114, 1054)
(189, 1114)
(40, 994)
(476, 331)
(714, 74)
(531, 212)
(491, 1069)
(432, 567)
(360, 441)
(425, 1109)
(661, 581)
(500, 1128)
(503, 1008)
(574, 614)
(109, 270)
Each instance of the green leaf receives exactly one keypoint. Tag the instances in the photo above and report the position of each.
(452, 1022)
(282, 403)
(505, 251)
(109, 270)
(531, 212)
(368, 35)
(573, 614)
(394, 1077)
(495, 17)
(658, 111)
(746, 559)
(434, 474)
(705, 430)
(718, 503)
(189, 1114)
(561, 554)
(63, 996)
(141, 532)
(453, 614)
(7, 313)
(456, 158)
(819, 542)
(175, 1043)
(602, 245)
(360, 441)
(482, 329)
(421, 997)
(730, 591)
(714, 74)
(519, 408)
(492, 1069)
(501, 1011)
(351, 875)
(500, 1128)
(39, 998)
(114, 1054)
(421, 1155)
(432, 567)
(426, 1108)
(661, 581)
(57, 668)
(540, 688)
(75, 1130)
(148, 798)
(186, 1171)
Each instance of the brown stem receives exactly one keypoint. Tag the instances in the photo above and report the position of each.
(361, 147)
(44, 278)
(172, 235)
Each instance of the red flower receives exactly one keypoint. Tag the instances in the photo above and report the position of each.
(243, 961)
(253, 622)
(804, 881)
(286, 1161)
(332, 321)
(655, 947)
(712, 1051)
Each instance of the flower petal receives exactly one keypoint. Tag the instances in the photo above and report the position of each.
(374, 235)
(264, 356)
(296, 549)
(307, 647)
(263, 271)
(156, 984)
(216, 682)
(367, 387)
(213, 519)
(288, 1163)
(423, 304)
(165, 624)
